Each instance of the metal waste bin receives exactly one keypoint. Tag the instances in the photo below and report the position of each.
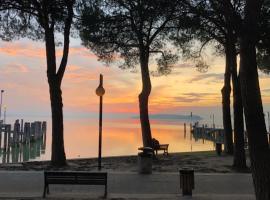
(186, 181)
(145, 160)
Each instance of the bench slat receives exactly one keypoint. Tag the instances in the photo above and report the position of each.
(85, 182)
(80, 178)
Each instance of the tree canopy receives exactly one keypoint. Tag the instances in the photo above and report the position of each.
(116, 29)
(263, 46)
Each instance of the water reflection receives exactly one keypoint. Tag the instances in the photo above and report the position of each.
(27, 141)
(24, 151)
(120, 137)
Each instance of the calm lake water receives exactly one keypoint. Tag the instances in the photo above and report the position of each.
(120, 137)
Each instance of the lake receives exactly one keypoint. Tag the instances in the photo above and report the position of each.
(121, 136)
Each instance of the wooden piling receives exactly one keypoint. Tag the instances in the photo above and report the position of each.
(27, 132)
(16, 133)
(32, 132)
(44, 127)
(22, 136)
(7, 134)
(0, 135)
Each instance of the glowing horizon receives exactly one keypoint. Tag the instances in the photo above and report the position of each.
(23, 77)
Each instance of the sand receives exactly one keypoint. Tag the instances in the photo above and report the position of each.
(203, 162)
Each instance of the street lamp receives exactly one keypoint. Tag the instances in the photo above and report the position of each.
(1, 99)
(100, 92)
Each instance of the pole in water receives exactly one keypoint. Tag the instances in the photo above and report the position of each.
(268, 122)
(5, 113)
(1, 101)
(100, 91)
(185, 130)
(213, 121)
(190, 121)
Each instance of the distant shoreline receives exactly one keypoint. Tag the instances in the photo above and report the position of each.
(172, 117)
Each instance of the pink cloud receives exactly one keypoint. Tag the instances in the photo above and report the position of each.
(14, 68)
(73, 68)
(75, 73)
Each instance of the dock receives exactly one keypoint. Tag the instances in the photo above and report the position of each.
(213, 134)
(22, 141)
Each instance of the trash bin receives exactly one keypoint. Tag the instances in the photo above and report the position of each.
(218, 148)
(186, 181)
(145, 160)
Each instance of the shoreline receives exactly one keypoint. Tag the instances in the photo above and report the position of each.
(202, 162)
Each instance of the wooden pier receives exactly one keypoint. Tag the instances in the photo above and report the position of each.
(212, 134)
(22, 141)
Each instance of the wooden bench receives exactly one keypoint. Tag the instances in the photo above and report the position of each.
(162, 147)
(77, 178)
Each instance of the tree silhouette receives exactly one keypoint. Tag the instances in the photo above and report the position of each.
(227, 21)
(131, 30)
(253, 109)
(263, 45)
(213, 22)
(42, 20)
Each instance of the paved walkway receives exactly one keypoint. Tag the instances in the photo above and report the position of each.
(21, 185)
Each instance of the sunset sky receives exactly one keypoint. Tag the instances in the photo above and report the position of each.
(23, 77)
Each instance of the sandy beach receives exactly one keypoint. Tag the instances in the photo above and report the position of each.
(203, 162)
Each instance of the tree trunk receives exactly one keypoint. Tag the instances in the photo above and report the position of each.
(144, 97)
(58, 157)
(239, 161)
(227, 124)
(253, 109)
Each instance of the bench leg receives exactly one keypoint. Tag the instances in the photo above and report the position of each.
(44, 191)
(48, 191)
(106, 192)
(165, 152)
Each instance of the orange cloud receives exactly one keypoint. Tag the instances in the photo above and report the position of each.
(19, 49)
(38, 51)
(81, 51)
(78, 74)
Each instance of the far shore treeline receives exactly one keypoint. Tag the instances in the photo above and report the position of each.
(132, 32)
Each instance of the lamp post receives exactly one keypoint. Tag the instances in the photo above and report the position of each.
(100, 92)
(1, 100)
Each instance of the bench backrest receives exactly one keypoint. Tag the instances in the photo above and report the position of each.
(87, 178)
